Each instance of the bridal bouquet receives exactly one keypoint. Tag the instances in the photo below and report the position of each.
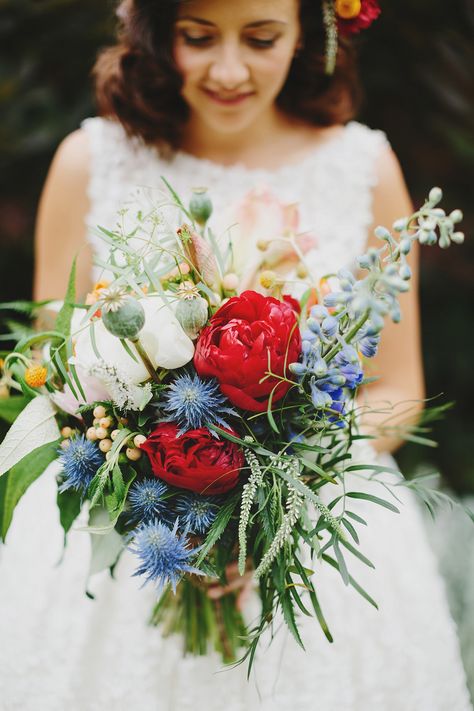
(197, 426)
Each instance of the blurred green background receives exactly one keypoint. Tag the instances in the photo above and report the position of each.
(417, 68)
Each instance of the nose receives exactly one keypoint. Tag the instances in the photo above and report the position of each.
(228, 68)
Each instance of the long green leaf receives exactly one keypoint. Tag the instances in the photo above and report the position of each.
(16, 481)
(373, 499)
(64, 317)
(11, 407)
(69, 505)
(352, 582)
(219, 526)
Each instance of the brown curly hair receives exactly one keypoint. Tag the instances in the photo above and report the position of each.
(138, 83)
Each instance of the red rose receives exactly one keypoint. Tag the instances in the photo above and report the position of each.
(245, 338)
(195, 460)
(369, 12)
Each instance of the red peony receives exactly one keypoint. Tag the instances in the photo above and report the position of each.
(245, 337)
(294, 303)
(194, 460)
(369, 12)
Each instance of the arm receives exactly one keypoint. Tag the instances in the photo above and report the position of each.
(60, 228)
(400, 390)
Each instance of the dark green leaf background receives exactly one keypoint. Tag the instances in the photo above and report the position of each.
(417, 69)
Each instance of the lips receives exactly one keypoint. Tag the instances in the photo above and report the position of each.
(227, 100)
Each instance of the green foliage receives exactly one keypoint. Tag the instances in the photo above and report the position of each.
(14, 483)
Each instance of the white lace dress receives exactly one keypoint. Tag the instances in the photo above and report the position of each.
(61, 650)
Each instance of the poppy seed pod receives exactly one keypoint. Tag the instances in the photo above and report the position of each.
(126, 319)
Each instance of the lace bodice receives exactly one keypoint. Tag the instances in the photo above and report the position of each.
(332, 186)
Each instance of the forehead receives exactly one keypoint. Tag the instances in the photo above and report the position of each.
(239, 12)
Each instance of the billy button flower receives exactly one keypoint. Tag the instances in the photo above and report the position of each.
(348, 9)
(36, 376)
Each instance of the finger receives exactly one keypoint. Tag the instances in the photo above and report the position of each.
(217, 591)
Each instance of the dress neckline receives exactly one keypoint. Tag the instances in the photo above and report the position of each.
(182, 158)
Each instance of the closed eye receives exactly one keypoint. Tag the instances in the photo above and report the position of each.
(205, 40)
(262, 43)
(196, 41)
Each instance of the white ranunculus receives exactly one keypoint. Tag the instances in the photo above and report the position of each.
(162, 336)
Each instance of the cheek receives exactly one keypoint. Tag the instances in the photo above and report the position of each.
(272, 70)
(189, 65)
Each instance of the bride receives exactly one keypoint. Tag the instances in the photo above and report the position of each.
(231, 95)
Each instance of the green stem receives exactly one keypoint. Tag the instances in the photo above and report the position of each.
(146, 360)
(353, 332)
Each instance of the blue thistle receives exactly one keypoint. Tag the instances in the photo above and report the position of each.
(80, 462)
(196, 512)
(147, 500)
(194, 403)
(164, 555)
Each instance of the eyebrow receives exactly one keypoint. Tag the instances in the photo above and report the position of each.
(258, 23)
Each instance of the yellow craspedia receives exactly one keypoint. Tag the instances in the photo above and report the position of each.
(348, 9)
(268, 279)
(36, 376)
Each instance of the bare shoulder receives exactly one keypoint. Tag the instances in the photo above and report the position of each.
(72, 156)
(61, 219)
(391, 198)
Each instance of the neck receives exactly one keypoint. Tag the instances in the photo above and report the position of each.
(228, 148)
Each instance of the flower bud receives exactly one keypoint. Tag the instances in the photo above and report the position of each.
(435, 196)
(99, 412)
(230, 282)
(405, 271)
(382, 233)
(456, 216)
(105, 445)
(200, 206)
(405, 245)
(192, 314)
(319, 312)
(133, 454)
(401, 224)
(123, 317)
(329, 326)
(314, 326)
(320, 367)
(301, 271)
(428, 224)
(268, 279)
(458, 237)
(297, 368)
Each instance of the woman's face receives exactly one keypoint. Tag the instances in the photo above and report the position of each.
(234, 57)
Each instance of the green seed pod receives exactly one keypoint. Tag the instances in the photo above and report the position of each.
(126, 319)
(192, 314)
(200, 206)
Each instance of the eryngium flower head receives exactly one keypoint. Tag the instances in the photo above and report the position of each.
(80, 462)
(147, 500)
(164, 555)
(194, 403)
(196, 513)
